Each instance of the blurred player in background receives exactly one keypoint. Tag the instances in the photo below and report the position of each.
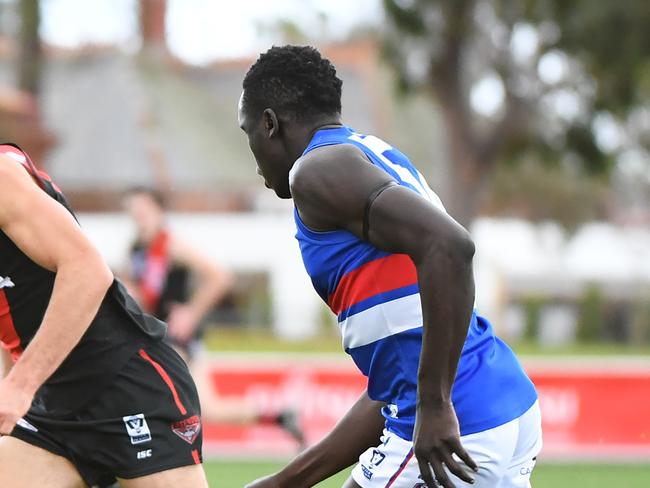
(161, 268)
(94, 394)
(397, 270)
(180, 285)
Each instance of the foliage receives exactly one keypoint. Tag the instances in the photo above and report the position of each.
(541, 193)
(570, 80)
(592, 313)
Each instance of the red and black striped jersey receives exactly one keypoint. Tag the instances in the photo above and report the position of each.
(116, 333)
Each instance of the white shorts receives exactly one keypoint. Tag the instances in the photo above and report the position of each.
(506, 456)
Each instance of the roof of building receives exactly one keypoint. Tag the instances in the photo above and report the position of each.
(122, 120)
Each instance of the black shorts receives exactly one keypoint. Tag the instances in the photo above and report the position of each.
(147, 421)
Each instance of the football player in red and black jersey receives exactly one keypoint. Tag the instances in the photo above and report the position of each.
(93, 395)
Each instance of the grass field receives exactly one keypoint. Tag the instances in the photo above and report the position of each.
(230, 474)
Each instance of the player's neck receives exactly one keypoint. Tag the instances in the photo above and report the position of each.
(324, 122)
(306, 132)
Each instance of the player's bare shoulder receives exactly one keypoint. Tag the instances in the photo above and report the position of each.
(10, 169)
(14, 184)
(325, 168)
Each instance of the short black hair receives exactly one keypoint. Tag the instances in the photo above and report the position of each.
(295, 81)
(156, 195)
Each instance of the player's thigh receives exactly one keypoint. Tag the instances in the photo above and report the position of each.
(185, 477)
(529, 445)
(27, 466)
(492, 450)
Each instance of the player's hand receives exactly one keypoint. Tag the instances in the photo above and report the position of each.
(266, 482)
(436, 440)
(182, 322)
(14, 404)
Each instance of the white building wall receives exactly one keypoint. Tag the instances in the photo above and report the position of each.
(507, 252)
(241, 242)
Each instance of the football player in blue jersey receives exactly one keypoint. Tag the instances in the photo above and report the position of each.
(447, 402)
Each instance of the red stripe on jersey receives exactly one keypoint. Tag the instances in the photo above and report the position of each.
(8, 335)
(378, 276)
(168, 381)
(25, 160)
(196, 457)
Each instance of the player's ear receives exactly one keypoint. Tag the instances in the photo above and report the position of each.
(271, 123)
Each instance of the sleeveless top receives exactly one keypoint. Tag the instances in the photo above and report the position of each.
(161, 282)
(375, 295)
(118, 330)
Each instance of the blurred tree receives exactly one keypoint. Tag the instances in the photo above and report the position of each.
(550, 80)
(30, 58)
(538, 193)
(592, 314)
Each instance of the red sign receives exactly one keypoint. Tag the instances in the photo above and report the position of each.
(597, 410)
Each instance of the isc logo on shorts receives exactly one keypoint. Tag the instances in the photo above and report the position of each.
(137, 428)
(145, 454)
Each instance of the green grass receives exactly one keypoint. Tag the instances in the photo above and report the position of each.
(261, 340)
(231, 474)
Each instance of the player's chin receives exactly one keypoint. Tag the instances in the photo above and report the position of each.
(284, 193)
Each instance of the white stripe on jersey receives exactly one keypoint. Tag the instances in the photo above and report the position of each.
(379, 147)
(382, 320)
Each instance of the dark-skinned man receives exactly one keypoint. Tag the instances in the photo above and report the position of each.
(447, 402)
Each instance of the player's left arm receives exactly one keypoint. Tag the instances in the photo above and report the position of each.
(213, 283)
(337, 187)
(46, 232)
(357, 431)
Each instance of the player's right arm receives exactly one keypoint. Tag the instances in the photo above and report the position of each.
(46, 232)
(357, 431)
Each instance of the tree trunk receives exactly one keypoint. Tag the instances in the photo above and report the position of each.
(30, 59)
(470, 165)
(468, 179)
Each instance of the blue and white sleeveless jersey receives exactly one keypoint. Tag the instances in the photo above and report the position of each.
(376, 297)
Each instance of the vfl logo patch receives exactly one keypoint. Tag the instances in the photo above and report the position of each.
(377, 458)
(187, 429)
(6, 283)
(137, 428)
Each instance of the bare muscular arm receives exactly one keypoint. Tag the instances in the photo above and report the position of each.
(213, 284)
(47, 233)
(337, 451)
